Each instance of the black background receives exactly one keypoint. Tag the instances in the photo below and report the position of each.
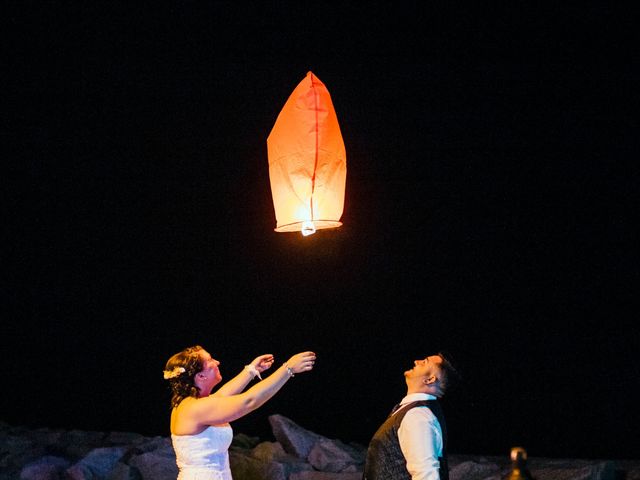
(491, 181)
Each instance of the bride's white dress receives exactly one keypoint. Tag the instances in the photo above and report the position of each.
(204, 456)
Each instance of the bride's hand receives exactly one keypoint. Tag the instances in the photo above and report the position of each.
(302, 362)
(263, 362)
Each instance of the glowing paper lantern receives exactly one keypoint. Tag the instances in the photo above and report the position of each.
(307, 161)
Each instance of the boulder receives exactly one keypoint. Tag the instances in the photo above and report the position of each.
(78, 443)
(273, 462)
(98, 463)
(47, 437)
(575, 470)
(123, 438)
(241, 440)
(155, 466)
(248, 468)
(161, 445)
(122, 471)
(298, 454)
(16, 452)
(475, 470)
(334, 456)
(628, 469)
(271, 452)
(293, 438)
(45, 468)
(326, 476)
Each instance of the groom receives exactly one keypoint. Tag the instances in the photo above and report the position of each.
(412, 443)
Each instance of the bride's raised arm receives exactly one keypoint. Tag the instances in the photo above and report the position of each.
(238, 383)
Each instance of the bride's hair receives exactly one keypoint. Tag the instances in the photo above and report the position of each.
(180, 371)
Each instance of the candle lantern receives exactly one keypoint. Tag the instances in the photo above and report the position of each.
(307, 161)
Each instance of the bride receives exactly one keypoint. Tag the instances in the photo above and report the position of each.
(200, 430)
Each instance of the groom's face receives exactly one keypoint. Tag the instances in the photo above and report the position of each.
(427, 367)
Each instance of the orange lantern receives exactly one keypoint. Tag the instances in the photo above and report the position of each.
(307, 161)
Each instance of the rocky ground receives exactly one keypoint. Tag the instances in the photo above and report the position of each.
(297, 454)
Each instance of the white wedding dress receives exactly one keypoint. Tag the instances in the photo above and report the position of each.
(204, 456)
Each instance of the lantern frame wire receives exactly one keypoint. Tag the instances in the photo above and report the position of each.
(318, 224)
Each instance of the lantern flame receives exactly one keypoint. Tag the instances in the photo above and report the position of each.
(308, 228)
(307, 161)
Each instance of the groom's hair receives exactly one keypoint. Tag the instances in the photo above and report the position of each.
(450, 375)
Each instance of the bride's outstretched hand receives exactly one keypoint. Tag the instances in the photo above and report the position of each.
(263, 362)
(302, 362)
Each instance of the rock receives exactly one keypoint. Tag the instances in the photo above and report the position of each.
(470, 470)
(577, 471)
(248, 468)
(41, 472)
(78, 472)
(162, 445)
(267, 454)
(298, 454)
(326, 476)
(124, 438)
(334, 456)
(632, 474)
(78, 443)
(628, 469)
(97, 464)
(271, 452)
(352, 468)
(45, 468)
(293, 438)
(16, 452)
(241, 440)
(123, 472)
(46, 437)
(494, 468)
(154, 466)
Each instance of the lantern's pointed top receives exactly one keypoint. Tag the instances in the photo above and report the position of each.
(312, 77)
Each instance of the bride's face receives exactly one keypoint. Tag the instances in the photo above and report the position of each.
(210, 374)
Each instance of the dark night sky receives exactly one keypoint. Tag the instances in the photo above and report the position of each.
(488, 212)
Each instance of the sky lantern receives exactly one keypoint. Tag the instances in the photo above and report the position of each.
(307, 161)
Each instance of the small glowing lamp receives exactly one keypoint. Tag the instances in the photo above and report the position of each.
(308, 228)
(307, 161)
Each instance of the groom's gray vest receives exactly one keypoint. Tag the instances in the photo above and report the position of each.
(385, 460)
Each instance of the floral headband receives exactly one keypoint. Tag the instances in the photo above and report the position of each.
(173, 373)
